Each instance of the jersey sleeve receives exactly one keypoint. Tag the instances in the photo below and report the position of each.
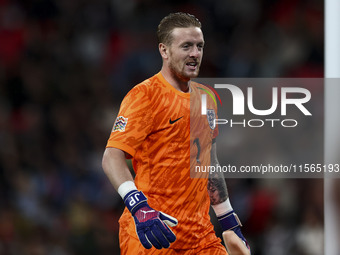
(133, 122)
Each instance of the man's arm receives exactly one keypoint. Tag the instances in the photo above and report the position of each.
(219, 198)
(115, 167)
(217, 187)
(151, 225)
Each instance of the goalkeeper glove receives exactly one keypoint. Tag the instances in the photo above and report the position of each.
(230, 221)
(151, 225)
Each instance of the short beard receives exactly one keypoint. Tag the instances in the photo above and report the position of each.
(181, 75)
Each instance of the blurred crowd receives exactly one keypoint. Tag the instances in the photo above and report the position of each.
(64, 69)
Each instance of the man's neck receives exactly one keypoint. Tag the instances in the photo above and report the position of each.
(179, 84)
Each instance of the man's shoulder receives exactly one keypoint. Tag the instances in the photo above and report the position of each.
(148, 84)
(201, 88)
(145, 90)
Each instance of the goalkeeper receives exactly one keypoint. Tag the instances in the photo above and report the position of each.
(167, 211)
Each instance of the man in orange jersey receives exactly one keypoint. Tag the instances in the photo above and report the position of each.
(160, 126)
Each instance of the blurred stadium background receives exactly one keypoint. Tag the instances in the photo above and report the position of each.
(64, 68)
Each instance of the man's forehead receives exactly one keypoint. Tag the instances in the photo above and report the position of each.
(185, 33)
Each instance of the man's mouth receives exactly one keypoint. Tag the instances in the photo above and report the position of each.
(192, 65)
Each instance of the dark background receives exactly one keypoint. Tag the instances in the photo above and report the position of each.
(64, 68)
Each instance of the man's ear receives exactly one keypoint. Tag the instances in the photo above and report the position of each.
(163, 50)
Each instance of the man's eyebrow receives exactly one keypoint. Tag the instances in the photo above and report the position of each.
(192, 43)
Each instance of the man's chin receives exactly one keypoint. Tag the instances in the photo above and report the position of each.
(192, 75)
(186, 76)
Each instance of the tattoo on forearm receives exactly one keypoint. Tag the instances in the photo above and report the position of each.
(217, 189)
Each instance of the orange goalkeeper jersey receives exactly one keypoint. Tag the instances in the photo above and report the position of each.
(166, 135)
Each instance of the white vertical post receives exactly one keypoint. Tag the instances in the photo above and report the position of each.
(332, 119)
(204, 104)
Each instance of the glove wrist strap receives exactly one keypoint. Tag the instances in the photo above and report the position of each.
(134, 200)
(125, 188)
(229, 221)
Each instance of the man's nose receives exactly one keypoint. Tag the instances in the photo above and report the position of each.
(195, 52)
